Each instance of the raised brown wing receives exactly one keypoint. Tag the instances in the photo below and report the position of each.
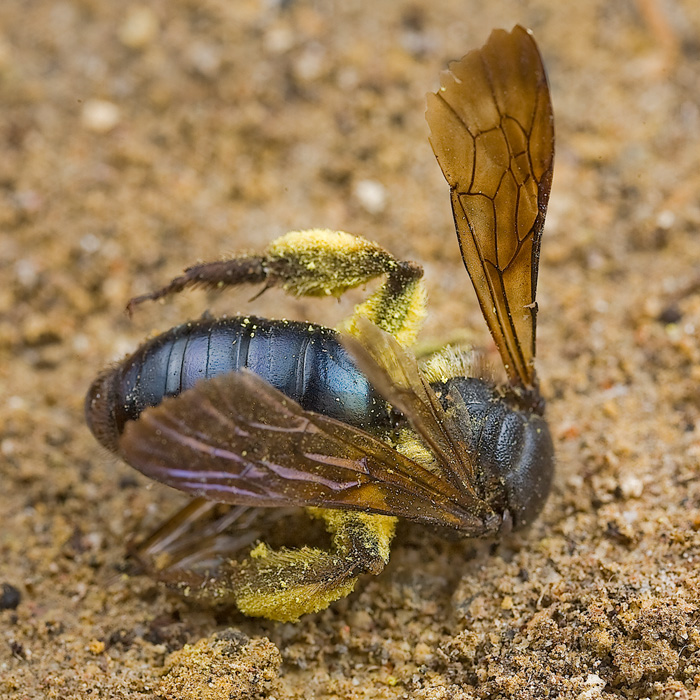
(492, 131)
(395, 374)
(236, 439)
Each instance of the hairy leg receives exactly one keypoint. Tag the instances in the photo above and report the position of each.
(315, 262)
(199, 560)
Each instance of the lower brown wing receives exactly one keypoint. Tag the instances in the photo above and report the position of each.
(236, 439)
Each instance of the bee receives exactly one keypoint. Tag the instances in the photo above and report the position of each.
(347, 423)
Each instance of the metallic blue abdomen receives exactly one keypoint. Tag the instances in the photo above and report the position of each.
(304, 361)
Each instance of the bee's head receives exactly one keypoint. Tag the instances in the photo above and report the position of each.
(524, 460)
(512, 449)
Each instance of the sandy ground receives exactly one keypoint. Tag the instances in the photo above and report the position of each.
(137, 141)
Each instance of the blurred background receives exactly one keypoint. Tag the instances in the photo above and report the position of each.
(137, 139)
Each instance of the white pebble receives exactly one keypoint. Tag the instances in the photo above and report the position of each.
(139, 27)
(631, 486)
(100, 116)
(371, 195)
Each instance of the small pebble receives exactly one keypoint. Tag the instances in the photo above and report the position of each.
(9, 597)
(139, 27)
(311, 64)
(631, 486)
(96, 646)
(100, 116)
(205, 59)
(371, 195)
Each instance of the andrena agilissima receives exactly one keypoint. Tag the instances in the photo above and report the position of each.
(261, 413)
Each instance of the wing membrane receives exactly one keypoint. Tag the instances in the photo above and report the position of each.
(395, 374)
(492, 132)
(235, 439)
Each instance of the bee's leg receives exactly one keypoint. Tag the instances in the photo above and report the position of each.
(287, 583)
(280, 584)
(397, 307)
(316, 262)
(245, 269)
(323, 263)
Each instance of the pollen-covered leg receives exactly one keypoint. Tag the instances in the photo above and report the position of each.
(315, 262)
(203, 562)
(287, 583)
(323, 263)
(319, 262)
(397, 307)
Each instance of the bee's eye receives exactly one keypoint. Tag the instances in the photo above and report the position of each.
(526, 465)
